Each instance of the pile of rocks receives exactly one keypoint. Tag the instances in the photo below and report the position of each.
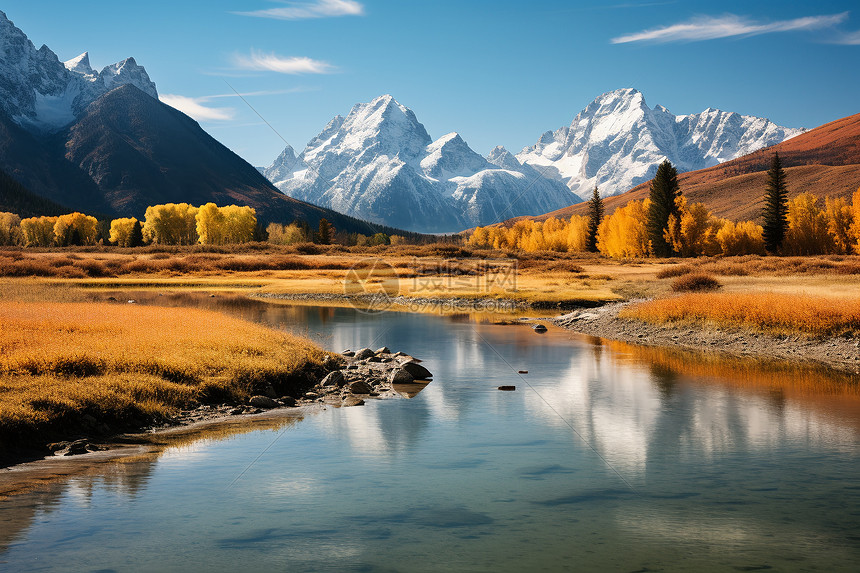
(355, 376)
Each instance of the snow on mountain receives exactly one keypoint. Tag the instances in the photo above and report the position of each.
(380, 164)
(617, 142)
(41, 93)
(81, 65)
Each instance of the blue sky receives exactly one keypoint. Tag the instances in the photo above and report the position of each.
(498, 72)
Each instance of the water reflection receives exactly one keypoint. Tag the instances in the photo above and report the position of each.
(608, 455)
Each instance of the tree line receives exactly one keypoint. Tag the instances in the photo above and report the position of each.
(168, 224)
(666, 224)
(178, 224)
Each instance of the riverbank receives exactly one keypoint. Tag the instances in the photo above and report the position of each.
(359, 375)
(72, 375)
(841, 353)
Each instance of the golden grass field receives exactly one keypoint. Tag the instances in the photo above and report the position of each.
(781, 313)
(116, 362)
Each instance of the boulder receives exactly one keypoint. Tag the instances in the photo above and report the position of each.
(401, 376)
(417, 371)
(77, 448)
(539, 328)
(383, 350)
(335, 378)
(363, 354)
(288, 401)
(360, 387)
(352, 401)
(348, 353)
(263, 402)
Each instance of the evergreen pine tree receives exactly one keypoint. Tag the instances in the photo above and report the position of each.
(325, 233)
(775, 206)
(595, 216)
(135, 238)
(664, 191)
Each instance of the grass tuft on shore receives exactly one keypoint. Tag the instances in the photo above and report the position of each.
(123, 362)
(816, 316)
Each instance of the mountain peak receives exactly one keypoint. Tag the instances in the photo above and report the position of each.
(617, 141)
(617, 100)
(386, 123)
(43, 94)
(503, 158)
(80, 65)
(127, 71)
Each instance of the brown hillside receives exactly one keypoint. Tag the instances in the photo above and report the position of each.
(824, 161)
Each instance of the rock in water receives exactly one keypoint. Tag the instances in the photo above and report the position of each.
(360, 387)
(401, 376)
(417, 371)
(539, 328)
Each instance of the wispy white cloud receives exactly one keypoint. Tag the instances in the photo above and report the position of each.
(851, 39)
(314, 9)
(259, 61)
(194, 107)
(730, 25)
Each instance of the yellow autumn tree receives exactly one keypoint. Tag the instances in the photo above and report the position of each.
(623, 235)
(76, 229)
(551, 235)
(171, 224)
(10, 229)
(840, 218)
(855, 226)
(38, 231)
(287, 234)
(122, 231)
(694, 231)
(577, 232)
(808, 232)
(211, 225)
(225, 225)
(742, 238)
(239, 224)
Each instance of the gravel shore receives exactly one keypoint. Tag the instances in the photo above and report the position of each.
(838, 353)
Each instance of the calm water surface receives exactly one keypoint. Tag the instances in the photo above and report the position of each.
(606, 458)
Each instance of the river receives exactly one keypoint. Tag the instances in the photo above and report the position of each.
(607, 457)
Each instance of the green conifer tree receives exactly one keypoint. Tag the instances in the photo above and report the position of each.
(135, 238)
(595, 216)
(775, 211)
(326, 232)
(664, 191)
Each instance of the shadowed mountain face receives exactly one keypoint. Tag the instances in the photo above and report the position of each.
(38, 164)
(824, 161)
(140, 152)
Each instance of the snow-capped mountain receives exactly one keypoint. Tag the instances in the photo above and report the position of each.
(41, 93)
(617, 142)
(379, 163)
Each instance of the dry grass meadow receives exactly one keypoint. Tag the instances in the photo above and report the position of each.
(123, 363)
(818, 316)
